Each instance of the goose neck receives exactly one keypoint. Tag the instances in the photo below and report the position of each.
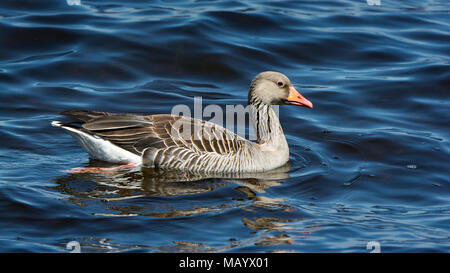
(266, 123)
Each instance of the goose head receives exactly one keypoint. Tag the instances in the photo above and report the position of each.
(274, 88)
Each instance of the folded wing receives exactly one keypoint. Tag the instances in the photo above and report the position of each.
(161, 135)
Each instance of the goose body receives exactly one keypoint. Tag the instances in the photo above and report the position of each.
(177, 142)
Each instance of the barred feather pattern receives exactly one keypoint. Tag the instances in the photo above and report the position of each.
(177, 142)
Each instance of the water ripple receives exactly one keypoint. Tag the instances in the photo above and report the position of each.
(368, 163)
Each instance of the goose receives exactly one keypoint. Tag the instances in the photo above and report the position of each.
(172, 142)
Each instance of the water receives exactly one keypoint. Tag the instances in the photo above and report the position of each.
(370, 162)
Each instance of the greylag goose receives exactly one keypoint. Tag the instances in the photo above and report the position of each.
(162, 141)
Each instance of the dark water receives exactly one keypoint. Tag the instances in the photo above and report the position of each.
(370, 162)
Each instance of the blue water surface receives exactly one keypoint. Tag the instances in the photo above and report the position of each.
(370, 162)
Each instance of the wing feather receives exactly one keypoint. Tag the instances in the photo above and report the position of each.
(162, 133)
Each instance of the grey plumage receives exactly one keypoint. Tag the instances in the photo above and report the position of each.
(176, 142)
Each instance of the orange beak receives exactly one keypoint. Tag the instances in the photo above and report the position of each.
(296, 99)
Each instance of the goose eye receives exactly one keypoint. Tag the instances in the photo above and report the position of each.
(280, 84)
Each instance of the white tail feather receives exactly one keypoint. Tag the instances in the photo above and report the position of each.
(100, 148)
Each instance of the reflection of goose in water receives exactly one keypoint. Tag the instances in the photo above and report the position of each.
(124, 185)
(255, 181)
(165, 194)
